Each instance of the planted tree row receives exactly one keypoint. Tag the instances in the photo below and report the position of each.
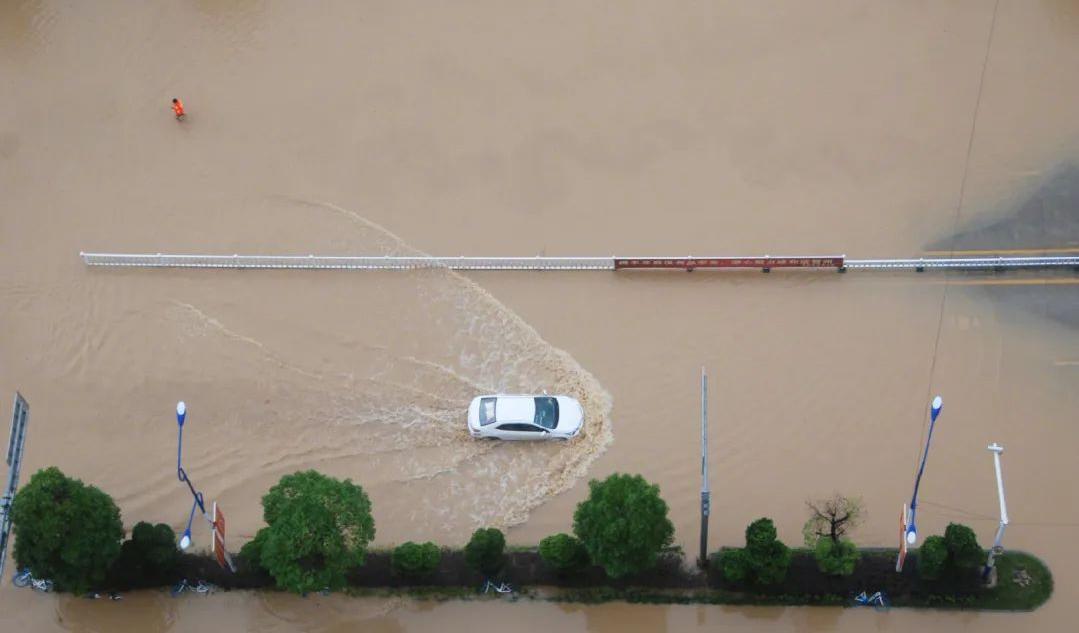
(318, 530)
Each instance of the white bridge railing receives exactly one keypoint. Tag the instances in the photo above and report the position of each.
(388, 262)
(391, 262)
(964, 263)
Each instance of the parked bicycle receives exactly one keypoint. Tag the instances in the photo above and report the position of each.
(877, 600)
(201, 587)
(25, 579)
(500, 588)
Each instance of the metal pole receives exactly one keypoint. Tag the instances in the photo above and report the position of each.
(912, 529)
(706, 494)
(997, 549)
(181, 474)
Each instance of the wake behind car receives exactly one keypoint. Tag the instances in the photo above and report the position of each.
(521, 417)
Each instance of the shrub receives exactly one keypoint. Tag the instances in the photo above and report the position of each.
(623, 524)
(963, 549)
(317, 530)
(932, 558)
(149, 558)
(65, 530)
(416, 559)
(763, 561)
(563, 552)
(836, 558)
(485, 551)
(251, 552)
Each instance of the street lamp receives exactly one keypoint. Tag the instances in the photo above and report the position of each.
(181, 414)
(185, 540)
(998, 549)
(181, 474)
(912, 530)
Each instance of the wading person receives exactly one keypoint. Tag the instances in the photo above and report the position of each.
(178, 108)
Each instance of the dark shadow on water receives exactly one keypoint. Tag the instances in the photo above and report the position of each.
(1047, 219)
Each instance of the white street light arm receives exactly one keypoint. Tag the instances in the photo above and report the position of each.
(997, 449)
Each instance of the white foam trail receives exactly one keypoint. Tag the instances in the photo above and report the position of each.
(212, 323)
(398, 425)
(529, 359)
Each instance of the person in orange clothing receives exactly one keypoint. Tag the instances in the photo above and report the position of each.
(178, 108)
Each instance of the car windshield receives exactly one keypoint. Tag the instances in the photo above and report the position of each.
(487, 410)
(547, 412)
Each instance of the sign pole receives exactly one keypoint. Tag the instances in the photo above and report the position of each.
(706, 494)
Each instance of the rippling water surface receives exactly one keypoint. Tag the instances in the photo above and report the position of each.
(561, 129)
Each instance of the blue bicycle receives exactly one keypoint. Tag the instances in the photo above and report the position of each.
(878, 600)
(25, 579)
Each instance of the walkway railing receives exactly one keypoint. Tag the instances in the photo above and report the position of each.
(965, 263)
(765, 263)
(348, 263)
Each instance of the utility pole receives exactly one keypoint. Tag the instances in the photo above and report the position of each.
(706, 494)
(998, 549)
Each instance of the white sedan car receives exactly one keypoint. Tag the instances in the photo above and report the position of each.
(508, 417)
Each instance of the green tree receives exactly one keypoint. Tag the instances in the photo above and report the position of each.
(963, 549)
(317, 530)
(415, 559)
(623, 524)
(485, 551)
(563, 552)
(763, 561)
(836, 559)
(932, 558)
(148, 559)
(832, 518)
(251, 552)
(65, 530)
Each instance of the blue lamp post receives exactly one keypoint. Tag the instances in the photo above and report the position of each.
(912, 530)
(181, 414)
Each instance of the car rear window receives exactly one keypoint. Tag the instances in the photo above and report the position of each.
(487, 410)
(547, 412)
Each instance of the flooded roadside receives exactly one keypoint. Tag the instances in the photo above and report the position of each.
(499, 130)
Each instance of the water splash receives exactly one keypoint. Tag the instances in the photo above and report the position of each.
(395, 420)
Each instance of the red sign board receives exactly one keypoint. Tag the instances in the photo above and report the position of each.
(218, 544)
(691, 263)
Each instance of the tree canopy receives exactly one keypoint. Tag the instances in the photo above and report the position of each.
(763, 561)
(318, 528)
(932, 558)
(148, 558)
(65, 530)
(563, 552)
(963, 549)
(485, 551)
(836, 558)
(623, 524)
(832, 518)
(415, 559)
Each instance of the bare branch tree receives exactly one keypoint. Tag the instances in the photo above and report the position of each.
(832, 518)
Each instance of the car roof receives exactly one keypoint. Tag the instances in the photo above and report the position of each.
(515, 409)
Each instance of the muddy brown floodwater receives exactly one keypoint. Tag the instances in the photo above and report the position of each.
(512, 128)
